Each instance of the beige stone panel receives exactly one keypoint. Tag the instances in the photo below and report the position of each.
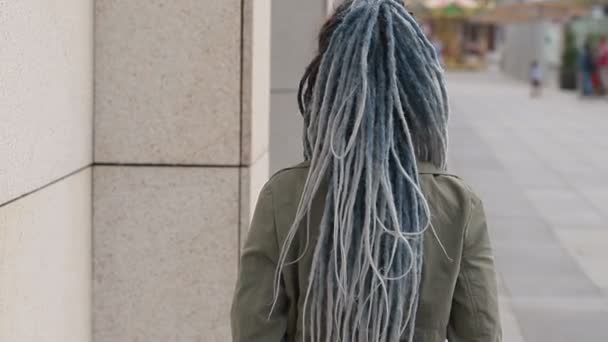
(253, 179)
(168, 79)
(46, 62)
(256, 80)
(166, 246)
(45, 264)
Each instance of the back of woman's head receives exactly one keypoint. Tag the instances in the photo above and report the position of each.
(374, 104)
(366, 39)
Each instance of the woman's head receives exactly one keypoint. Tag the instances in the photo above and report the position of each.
(374, 104)
(417, 70)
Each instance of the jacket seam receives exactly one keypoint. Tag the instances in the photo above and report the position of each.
(467, 224)
(274, 223)
(466, 279)
(472, 302)
(280, 172)
(306, 165)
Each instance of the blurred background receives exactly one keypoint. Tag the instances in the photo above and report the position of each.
(135, 136)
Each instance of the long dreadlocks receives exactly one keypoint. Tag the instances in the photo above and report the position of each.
(374, 104)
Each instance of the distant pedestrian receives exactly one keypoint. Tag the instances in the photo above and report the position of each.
(536, 79)
(602, 63)
(587, 68)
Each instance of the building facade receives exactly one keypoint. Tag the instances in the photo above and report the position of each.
(134, 141)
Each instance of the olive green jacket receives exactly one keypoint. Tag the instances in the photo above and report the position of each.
(459, 299)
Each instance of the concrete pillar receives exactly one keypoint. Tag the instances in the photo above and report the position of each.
(46, 96)
(181, 144)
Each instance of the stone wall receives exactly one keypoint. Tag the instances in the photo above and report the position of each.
(181, 147)
(46, 99)
(134, 143)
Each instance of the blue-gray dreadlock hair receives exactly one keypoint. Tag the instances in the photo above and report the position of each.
(374, 104)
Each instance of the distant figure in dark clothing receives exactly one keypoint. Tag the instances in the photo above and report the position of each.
(602, 63)
(587, 66)
(536, 79)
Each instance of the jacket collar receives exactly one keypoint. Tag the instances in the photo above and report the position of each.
(429, 168)
(424, 168)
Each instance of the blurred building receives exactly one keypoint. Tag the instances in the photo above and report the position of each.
(534, 31)
(591, 27)
(528, 41)
(134, 141)
(462, 42)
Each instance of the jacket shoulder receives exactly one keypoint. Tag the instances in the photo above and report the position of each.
(451, 198)
(288, 179)
(447, 181)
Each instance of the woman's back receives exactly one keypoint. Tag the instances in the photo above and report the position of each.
(365, 243)
(458, 298)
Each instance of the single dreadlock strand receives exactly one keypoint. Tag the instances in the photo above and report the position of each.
(315, 267)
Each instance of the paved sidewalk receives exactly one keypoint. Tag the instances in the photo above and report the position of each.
(541, 166)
